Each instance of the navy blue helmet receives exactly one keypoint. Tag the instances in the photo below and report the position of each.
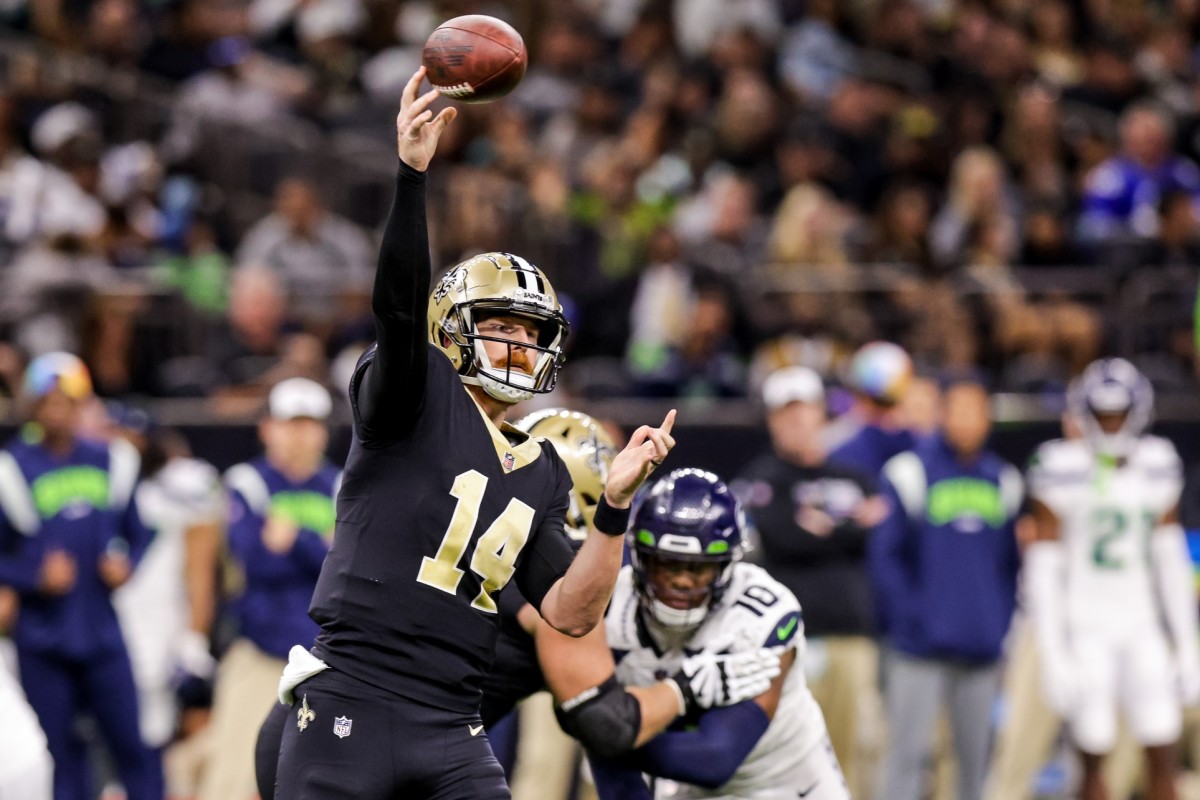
(687, 528)
(1109, 388)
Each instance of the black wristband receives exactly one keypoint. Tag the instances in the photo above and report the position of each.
(610, 521)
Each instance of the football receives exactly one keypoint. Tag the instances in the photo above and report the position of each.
(475, 58)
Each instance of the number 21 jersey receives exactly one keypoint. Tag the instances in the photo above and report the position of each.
(1107, 512)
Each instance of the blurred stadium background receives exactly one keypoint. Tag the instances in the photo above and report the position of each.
(191, 190)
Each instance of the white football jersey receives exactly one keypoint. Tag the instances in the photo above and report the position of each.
(153, 607)
(1107, 513)
(755, 611)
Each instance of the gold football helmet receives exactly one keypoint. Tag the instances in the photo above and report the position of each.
(492, 284)
(587, 450)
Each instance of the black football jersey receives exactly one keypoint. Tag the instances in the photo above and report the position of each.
(430, 527)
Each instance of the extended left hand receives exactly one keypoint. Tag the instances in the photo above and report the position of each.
(645, 452)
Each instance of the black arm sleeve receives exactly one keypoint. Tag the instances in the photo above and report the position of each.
(392, 390)
(550, 554)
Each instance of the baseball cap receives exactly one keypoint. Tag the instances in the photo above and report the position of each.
(299, 397)
(792, 385)
(62, 371)
(882, 371)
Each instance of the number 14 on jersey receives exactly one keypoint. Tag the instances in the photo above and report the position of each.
(495, 556)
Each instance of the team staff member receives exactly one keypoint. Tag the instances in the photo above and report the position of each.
(69, 536)
(813, 520)
(441, 506)
(281, 515)
(945, 561)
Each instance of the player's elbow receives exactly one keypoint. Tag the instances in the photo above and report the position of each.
(576, 629)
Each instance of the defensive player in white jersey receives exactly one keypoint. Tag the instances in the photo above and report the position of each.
(166, 609)
(1110, 579)
(685, 593)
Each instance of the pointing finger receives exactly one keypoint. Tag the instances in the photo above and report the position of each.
(668, 422)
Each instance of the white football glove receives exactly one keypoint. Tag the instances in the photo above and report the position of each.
(194, 656)
(709, 680)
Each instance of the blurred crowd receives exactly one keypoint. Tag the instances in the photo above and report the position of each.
(716, 187)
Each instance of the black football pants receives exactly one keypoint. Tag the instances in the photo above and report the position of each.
(360, 742)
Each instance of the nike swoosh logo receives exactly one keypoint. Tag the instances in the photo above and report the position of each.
(474, 729)
(809, 790)
(784, 631)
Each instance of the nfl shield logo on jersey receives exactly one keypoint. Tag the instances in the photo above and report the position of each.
(509, 462)
(341, 726)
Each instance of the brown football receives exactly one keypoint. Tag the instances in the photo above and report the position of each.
(475, 58)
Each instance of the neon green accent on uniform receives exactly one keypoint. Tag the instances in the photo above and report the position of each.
(784, 631)
(956, 498)
(715, 548)
(311, 510)
(60, 488)
(646, 537)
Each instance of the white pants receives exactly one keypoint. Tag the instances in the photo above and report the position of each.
(1132, 673)
(817, 777)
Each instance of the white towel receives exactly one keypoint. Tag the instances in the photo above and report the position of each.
(301, 666)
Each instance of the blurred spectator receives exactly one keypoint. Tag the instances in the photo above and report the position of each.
(944, 563)
(314, 251)
(1123, 194)
(1110, 81)
(900, 234)
(814, 520)
(200, 272)
(699, 22)
(1178, 242)
(979, 201)
(721, 228)
(1055, 54)
(45, 288)
(815, 57)
(706, 361)
(55, 196)
(1046, 238)
(281, 515)
(232, 92)
(256, 346)
(72, 535)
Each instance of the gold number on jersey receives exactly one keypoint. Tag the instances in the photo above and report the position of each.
(496, 551)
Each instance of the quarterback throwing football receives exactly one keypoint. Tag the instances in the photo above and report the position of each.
(442, 504)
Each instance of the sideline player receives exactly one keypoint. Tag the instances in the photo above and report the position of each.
(1109, 563)
(441, 506)
(686, 592)
(531, 655)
